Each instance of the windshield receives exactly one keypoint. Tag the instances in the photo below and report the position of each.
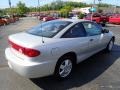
(49, 29)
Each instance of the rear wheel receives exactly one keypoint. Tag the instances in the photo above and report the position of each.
(64, 68)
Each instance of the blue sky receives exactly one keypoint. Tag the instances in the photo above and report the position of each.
(4, 3)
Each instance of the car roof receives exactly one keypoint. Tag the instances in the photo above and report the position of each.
(73, 20)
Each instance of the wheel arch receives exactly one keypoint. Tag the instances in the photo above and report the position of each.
(113, 37)
(71, 54)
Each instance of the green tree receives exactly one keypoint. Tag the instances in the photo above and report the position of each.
(22, 9)
(65, 11)
(81, 16)
(1, 12)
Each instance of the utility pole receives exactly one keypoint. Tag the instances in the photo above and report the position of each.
(39, 7)
(115, 9)
(9, 1)
(99, 4)
(93, 5)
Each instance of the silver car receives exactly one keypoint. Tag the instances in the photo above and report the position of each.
(55, 47)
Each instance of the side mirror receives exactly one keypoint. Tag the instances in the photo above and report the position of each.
(105, 31)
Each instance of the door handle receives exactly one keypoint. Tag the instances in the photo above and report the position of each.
(91, 40)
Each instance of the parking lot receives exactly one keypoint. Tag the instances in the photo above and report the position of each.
(99, 72)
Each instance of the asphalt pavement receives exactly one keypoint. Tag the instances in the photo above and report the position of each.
(99, 72)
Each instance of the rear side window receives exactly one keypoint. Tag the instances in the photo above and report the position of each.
(92, 28)
(76, 31)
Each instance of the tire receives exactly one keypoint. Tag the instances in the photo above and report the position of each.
(64, 68)
(110, 45)
(103, 24)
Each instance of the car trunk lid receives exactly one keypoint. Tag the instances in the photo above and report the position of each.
(21, 44)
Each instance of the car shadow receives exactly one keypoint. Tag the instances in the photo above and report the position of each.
(85, 72)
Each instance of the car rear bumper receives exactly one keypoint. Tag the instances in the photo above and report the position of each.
(29, 69)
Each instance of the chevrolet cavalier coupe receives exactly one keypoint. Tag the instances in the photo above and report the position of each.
(55, 47)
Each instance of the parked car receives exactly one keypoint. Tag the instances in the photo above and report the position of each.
(55, 47)
(98, 18)
(104, 18)
(16, 18)
(6, 19)
(13, 19)
(115, 19)
(42, 16)
(109, 15)
(2, 22)
(75, 17)
(49, 18)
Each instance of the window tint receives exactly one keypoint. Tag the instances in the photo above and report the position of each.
(92, 28)
(76, 31)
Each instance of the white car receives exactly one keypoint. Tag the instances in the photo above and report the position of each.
(55, 47)
(75, 17)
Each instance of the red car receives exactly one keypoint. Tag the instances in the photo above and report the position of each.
(115, 19)
(49, 18)
(12, 20)
(104, 18)
(2, 22)
(98, 18)
(42, 16)
(94, 18)
(6, 19)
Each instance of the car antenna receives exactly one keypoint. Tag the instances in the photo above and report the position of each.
(41, 22)
(42, 33)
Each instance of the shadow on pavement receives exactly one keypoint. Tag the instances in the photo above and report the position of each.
(112, 25)
(85, 72)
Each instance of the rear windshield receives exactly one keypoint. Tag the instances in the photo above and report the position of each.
(49, 29)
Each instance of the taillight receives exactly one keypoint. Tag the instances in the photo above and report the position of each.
(26, 51)
(31, 52)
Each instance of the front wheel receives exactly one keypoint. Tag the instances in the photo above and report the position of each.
(64, 68)
(103, 24)
(110, 45)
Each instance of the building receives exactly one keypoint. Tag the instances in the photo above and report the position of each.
(82, 10)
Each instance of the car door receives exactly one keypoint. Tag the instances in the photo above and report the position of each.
(96, 37)
(75, 40)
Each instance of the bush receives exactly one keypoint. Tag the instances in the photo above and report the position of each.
(81, 16)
